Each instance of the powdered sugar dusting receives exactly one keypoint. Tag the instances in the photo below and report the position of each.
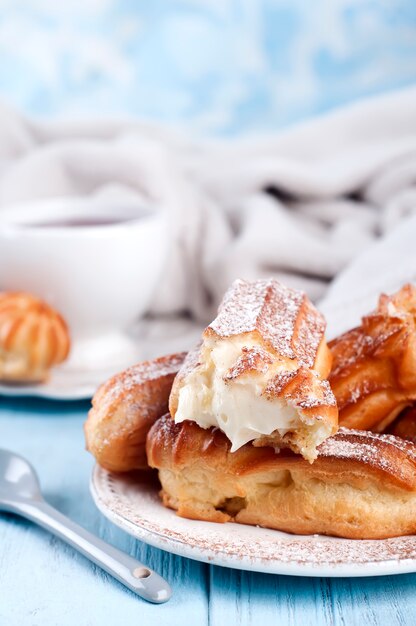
(394, 316)
(284, 317)
(135, 376)
(383, 452)
(303, 388)
(353, 347)
(313, 391)
(310, 331)
(278, 384)
(253, 359)
(401, 444)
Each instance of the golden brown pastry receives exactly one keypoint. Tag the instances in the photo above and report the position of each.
(33, 338)
(373, 372)
(123, 410)
(404, 425)
(362, 485)
(260, 371)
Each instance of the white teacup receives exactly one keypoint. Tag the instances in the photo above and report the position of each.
(97, 262)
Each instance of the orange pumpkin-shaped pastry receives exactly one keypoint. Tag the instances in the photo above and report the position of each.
(33, 338)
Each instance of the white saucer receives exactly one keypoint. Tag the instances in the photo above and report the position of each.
(132, 502)
(64, 384)
(90, 363)
(93, 362)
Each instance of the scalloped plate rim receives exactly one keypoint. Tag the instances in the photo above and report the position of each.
(107, 504)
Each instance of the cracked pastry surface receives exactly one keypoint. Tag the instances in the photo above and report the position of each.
(373, 373)
(33, 338)
(260, 371)
(362, 485)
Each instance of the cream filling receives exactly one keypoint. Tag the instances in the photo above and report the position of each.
(235, 406)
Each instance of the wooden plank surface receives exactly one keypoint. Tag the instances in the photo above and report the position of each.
(43, 582)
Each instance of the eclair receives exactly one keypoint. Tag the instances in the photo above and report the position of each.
(123, 410)
(260, 372)
(362, 485)
(373, 373)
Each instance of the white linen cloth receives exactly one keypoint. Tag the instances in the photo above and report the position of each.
(302, 205)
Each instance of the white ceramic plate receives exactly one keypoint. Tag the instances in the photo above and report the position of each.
(65, 383)
(132, 503)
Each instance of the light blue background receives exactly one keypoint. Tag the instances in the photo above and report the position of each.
(216, 66)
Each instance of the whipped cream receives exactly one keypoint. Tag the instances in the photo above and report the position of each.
(236, 406)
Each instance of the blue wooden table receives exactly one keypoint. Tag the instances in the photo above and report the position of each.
(43, 582)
